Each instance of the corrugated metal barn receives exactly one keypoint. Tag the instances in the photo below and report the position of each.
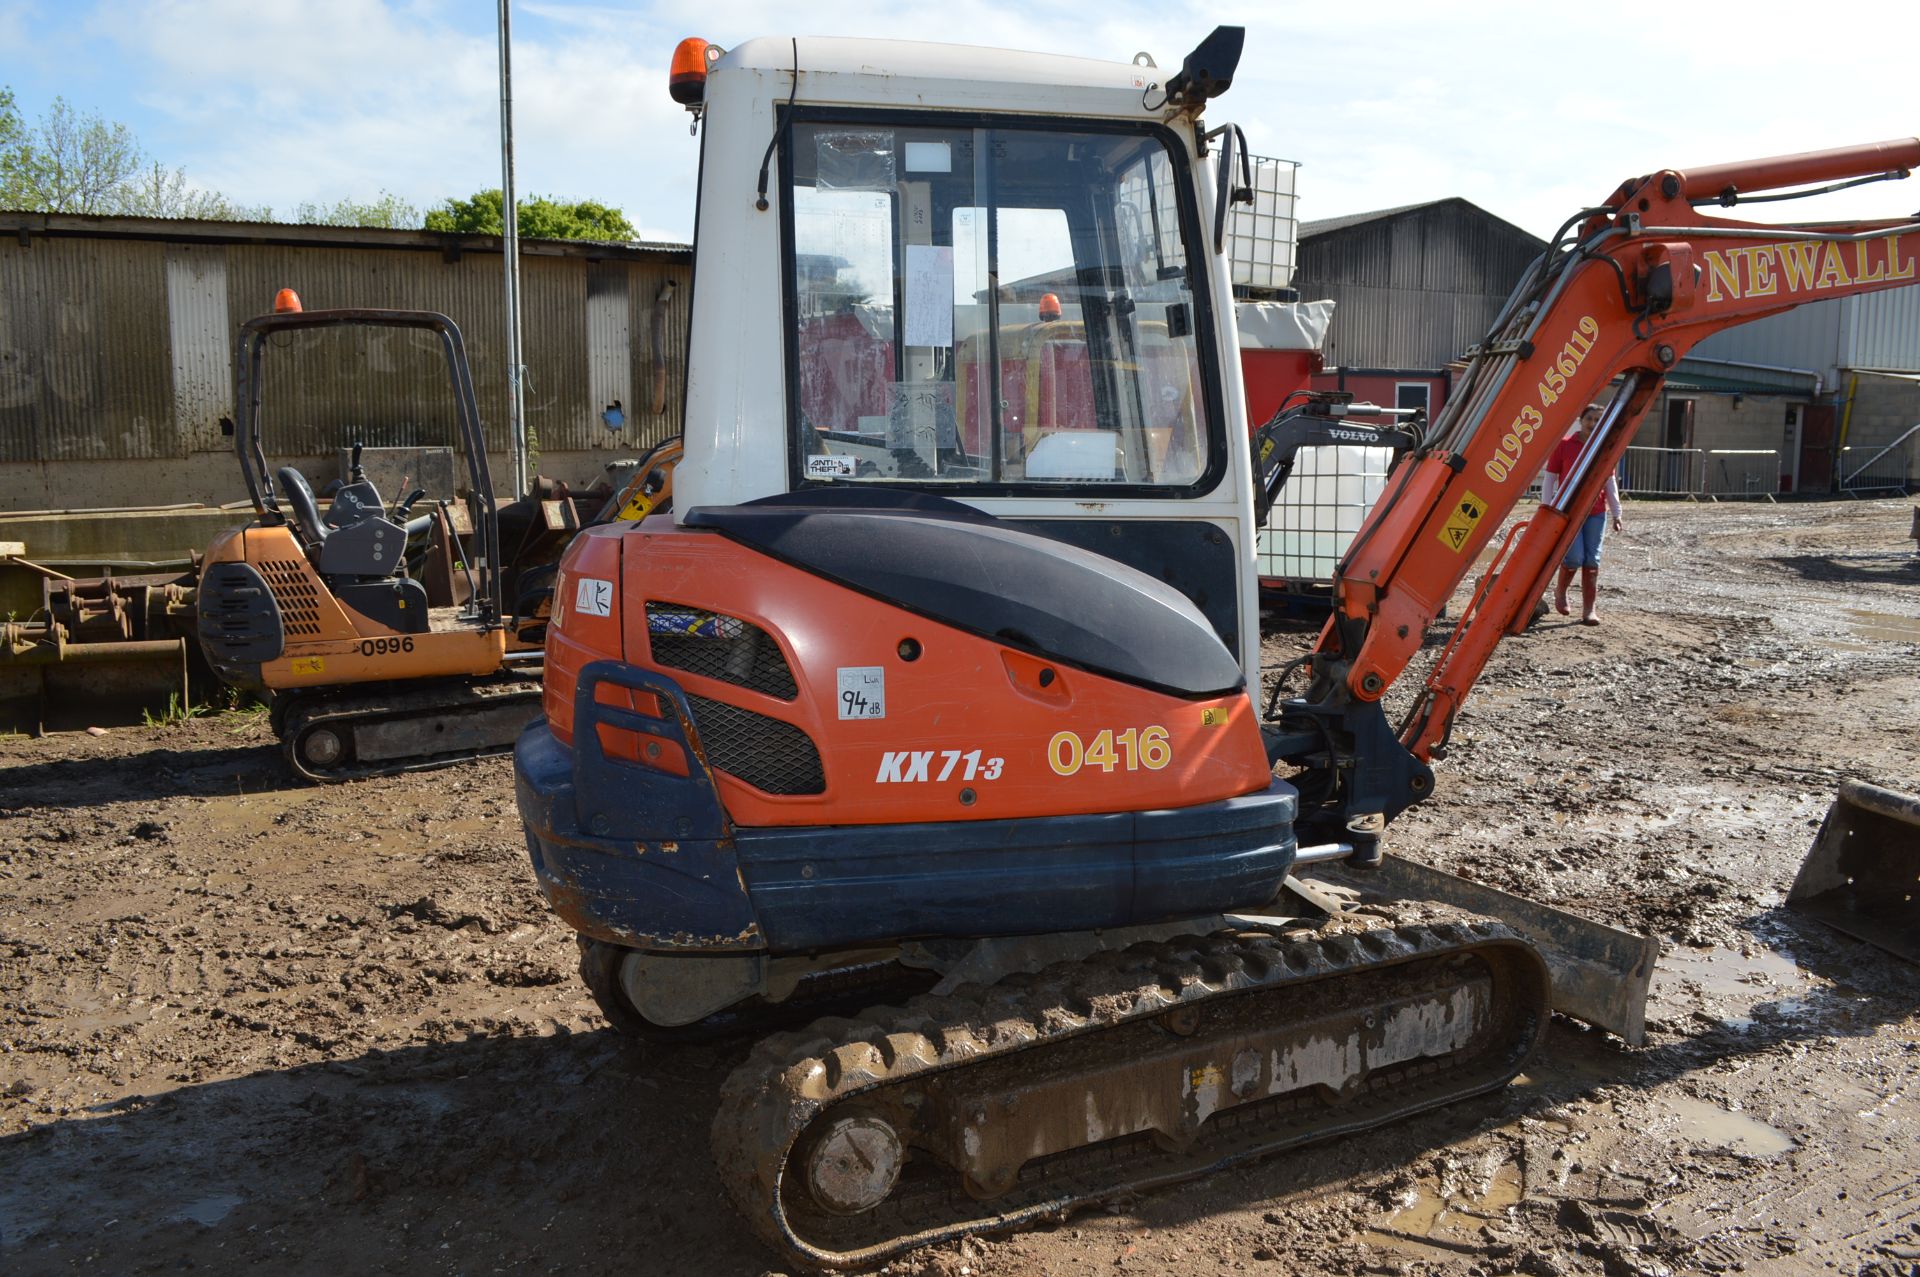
(1878, 331)
(116, 340)
(1414, 286)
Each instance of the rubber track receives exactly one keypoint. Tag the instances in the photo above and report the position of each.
(377, 704)
(770, 1099)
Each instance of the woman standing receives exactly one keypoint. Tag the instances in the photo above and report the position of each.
(1584, 553)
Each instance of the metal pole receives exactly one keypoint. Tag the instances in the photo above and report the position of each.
(510, 246)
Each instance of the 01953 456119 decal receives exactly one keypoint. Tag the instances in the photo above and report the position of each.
(1528, 421)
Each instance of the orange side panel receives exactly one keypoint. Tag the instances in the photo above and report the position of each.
(579, 632)
(968, 729)
(328, 662)
(327, 644)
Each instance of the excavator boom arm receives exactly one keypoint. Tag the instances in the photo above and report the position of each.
(1624, 292)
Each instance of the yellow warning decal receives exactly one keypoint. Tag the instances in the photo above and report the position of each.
(1214, 717)
(309, 665)
(638, 508)
(1461, 522)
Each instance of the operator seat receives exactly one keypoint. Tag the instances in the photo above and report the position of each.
(359, 553)
(306, 510)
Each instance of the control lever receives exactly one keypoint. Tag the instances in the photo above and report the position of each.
(358, 475)
(400, 511)
(473, 591)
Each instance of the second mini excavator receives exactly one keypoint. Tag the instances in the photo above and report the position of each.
(379, 632)
(379, 629)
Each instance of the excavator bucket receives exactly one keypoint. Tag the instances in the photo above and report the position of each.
(1863, 874)
(1600, 974)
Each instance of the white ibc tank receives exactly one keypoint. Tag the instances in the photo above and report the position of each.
(1321, 507)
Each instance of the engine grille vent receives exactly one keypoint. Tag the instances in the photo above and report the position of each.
(294, 591)
(773, 756)
(718, 647)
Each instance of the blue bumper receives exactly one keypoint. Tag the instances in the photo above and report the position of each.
(630, 855)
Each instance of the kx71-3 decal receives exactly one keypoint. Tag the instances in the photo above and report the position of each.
(907, 766)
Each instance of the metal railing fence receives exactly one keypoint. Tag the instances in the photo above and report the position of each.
(1662, 472)
(1893, 468)
(1741, 472)
(1717, 474)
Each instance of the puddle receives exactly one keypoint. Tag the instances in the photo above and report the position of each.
(254, 814)
(1432, 1221)
(1841, 645)
(1883, 627)
(1707, 1123)
(208, 1211)
(1737, 987)
(1731, 972)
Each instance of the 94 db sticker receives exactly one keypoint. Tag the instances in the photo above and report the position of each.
(863, 691)
(911, 766)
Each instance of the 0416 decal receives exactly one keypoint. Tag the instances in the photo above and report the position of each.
(1130, 749)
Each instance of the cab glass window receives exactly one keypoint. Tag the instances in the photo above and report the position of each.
(994, 306)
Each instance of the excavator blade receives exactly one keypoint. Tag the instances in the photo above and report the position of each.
(1600, 974)
(1863, 874)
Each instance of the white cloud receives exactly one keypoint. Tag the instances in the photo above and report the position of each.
(1530, 111)
(13, 28)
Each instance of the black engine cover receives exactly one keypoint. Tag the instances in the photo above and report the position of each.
(956, 565)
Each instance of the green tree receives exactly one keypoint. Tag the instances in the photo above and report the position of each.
(13, 135)
(539, 218)
(74, 163)
(389, 211)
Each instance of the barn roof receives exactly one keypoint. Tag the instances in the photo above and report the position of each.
(1327, 225)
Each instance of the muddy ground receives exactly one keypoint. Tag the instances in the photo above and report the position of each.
(249, 1023)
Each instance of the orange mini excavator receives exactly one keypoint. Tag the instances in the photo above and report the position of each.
(381, 631)
(915, 692)
(378, 630)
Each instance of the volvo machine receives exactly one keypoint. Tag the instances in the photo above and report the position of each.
(938, 689)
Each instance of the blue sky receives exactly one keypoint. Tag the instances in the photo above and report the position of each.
(1528, 110)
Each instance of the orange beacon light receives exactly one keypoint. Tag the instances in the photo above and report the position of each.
(687, 77)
